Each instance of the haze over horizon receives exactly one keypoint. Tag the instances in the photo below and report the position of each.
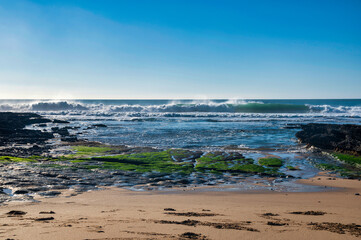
(180, 49)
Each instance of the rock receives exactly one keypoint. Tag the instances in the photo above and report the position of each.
(50, 212)
(342, 138)
(21, 192)
(9, 120)
(50, 193)
(37, 189)
(11, 129)
(292, 126)
(60, 121)
(49, 174)
(70, 138)
(169, 209)
(276, 223)
(357, 194)
(99, 125)
(15, 213)
(44, 219)
(191, 235)
(61, 131)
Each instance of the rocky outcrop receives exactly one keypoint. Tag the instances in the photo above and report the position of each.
(14, 121)
(344, 138)
(11, 129)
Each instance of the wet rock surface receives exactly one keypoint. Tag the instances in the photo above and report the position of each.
(15, 140)
(11, 129)
(341, 138)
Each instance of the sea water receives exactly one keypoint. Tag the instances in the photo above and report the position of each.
(193, 123)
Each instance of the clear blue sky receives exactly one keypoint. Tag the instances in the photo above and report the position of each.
(180, 49)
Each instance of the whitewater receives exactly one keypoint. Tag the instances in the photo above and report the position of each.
(193, 123)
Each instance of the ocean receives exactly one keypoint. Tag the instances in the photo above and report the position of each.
(248, 124)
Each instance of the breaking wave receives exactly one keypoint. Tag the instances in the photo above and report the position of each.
(173, 108)
(56, 106)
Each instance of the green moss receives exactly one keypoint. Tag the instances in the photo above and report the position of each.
(16, 159)
(270, 162)
(249, 168)
(89, 151)
(349, 159)
(85, 149)
(169, 161)
(145, 162)
(291, 168)
(328, 167)
(77, 161)
(219, 163)
(351, 174)
(90, 166)
(343, 171)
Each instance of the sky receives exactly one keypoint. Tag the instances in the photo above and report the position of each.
(172, 49)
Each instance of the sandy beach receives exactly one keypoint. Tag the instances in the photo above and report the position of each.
(121, 214)
(205, 120)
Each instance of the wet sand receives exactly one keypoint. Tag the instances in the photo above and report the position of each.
(121, 214)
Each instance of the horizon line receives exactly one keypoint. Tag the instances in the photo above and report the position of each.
(180, 98)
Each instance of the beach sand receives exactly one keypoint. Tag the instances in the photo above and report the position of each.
(121, 214)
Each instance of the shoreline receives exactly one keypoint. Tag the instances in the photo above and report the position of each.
(177, 193)
(116, 213)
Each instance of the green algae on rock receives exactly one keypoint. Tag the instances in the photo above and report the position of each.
(270, 162)
(147, 162)
(7, 159)
(180, 161)
(349, 159)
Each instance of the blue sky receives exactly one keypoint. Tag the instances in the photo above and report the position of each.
(180, 49)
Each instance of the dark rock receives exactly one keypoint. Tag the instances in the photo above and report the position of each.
(61, 131)
(37, 189)
(292, 126)
(60, 121)
(50, 212)
(49, 174)
(169, 209)
(70, 138)
(342, 138)
(191, 235)
(314, 213)
(183, 181)
(11, 129)
(270, 214)
(21, 192)
(15, 213)
(44, 219)
(50, 193)
(192, 214)
(276, 224)
(99, 125)
(9, 120)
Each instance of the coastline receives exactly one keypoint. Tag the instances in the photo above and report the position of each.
(199, 201)
(116, 213)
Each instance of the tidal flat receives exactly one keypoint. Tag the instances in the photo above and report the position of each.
(58, 160)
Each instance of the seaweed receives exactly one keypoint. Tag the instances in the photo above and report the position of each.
(271, 162)
(349, 159)
(292, 168)
(6, 159)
